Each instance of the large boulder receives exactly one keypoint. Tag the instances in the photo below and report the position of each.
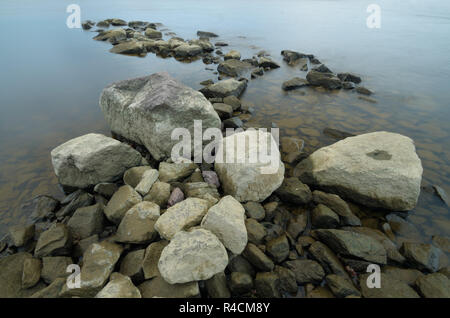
(224, 88)
(326, 80)
(240, 174)
(379, 169)
(192, 256)
(91, 159)
(226, 220)
(147, 109)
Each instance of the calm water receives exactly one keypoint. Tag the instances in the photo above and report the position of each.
(52, 76)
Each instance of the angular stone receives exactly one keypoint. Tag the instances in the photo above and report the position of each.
(181, 216)
(233, 101)
(257, 258)
(341, 286)
(132, 265)
(86, 221)
(159, 193)
(187, 50)
(55, 267)
(119, 286)
(326, 80)
(240, 264)
(90, 159)
(106, 189)
(292, 190)
(278, 249)
(224, 88)
(408, 276)
(255, 231)
(267, 285)
(133, 176)
(233, 68)
(211, 178)
(31, 272)
(335, 203)
(55, 241)
(424, 257)
(192, 256)
(266, 62)
(148, 179)
(390, 288)
(323, 217)
(21, 234)
(434, 285)
(226, 220)
(128, 47)
(172, 172)
(158, 287)
(217, 287)
(240, 283)
(113, 35)
(223, 110)
(124, 199)
(153, 34)
(329, 261)
(306, 271)
(51, 291)
(288, 283)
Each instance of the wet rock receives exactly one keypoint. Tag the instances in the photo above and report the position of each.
(287, 281)
(86, 25)
(349, 77)
(187, 50)
(133, 176)
(117, 22)
(442, 194)
(106, 189)
(323, 217)
(172, 172)
(31, 272)
(408, 276)
(322, 68)
(207, 82)
(294, 83)
(326, 80)
(40, 207)
(292, 190)
(267, 285)
(232, 55)
(147, 109)
(341, 286)
(348, 85)
(255, 210)
(159, 193)
(132, 265)
(336, 134)
(266, 62)
(80, 199)
(223, 110)
(363, 91)
(255, 231)
(90, 159)
(257, 72)
(297, 224)
(192, 256)
(220, 43)
(128, 47)
(294, 58)
(55, 241)
(403, 228)
(234, 122)
(138, 24)
(257, 258)
(224, 88)
(278, 248)
(55, 267)
(378, 169)
(20, 235)
(86, 221)
(152, 33)
(181, 216)
(226, 221)
(353, 244)
(233, 67)
(325, 256)
(82, 245)
(434, 285)
(390, 288)
(249, 181)
(119, 286)
(149, 177)
(103, 24)
(217, 287)
(306, 271)
(114, 35)
(233, 101)
(424, 257)
(158, 287)
(240, 283)
(206, 34)
(98, 264)
(442, 242)
(124, 199)
(137, 226)
(204, 44)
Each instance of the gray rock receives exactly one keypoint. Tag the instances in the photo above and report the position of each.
(114, 35)
(181, 216)
(153, 34)
(124, 199)
(98, 264)
(424, 257)
(192, 256)
(31, 272)
(349, 77)
(292, 190)
(278, 248)
(86, 221)
(216, 286)
(133, 176)
(172, 172)
(353, 244)
(119, 286)
(137, 226)
(90, 159)
(267, 285)
(40, 207)
(148, 179)
(147, 109)
(323, 217)
(408, 276)
(240, 264)
(129, 47)
(55, 241)
(132, 265)
(434, 285)
(257, 258)
(21, 234)
(187, 51)
(341, 286)
(233, 101)
(206, 34)
(233, 54)
(226, 220)
(329, 261)
(106, 189)
(55, 267)
(266, 62)
(255, 231)
(151, 259)
(233, 68)
(306, 271)
(390, 288)
(326, 80)
(322, 68)
(78, 199)
(249, 181)
(240, 283)
(159, 193)
(335, 203)
(293, 58)
(224, 88)
(223, 110)
(287, 281)
(158, 287)
(255, 210)
(294, 83)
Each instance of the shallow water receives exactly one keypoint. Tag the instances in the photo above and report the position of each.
(52, 77)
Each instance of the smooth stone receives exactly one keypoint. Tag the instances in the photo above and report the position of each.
(216, 286)
(159, 193)
(123, 200)
(326, 80)
(390, 288)
(224, 88)
(240, 264)
(233, 68)
(294, 83)
(233, 54)
(255, 210)
(31, 272)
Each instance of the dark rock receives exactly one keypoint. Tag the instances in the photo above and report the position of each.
(257, 258)
(293, 58)
(216, 286)
(424, 257)
(86, 25)
(233, 101)
(278, 248)
(55, 267)
(233, 67)
(55, 241)
(390, 288)
(266, 62)
(292, 190)
(335, 203)
(326, 80)
(267, 285)
(81, 247)
(240, 264)
(224, 88)
(86, 221)
(223, 110)
(288, 283)
(158, 287)
(363, 91)
(273, 230)
(255, 231)
(329, 261)
(52, 290)
(336, 134)
(20, 235)
(131, 265)
(151, 259)
(205, 34)
(221, 44)
(322, 68)
(40, 208)
(434, 285)
(349, 77)
(341, 286)
(118, 22)
(106, 189)
(323, 217)
(294, 83)
(348, 85)
(297, 224)
(408, 276)
(254, 210)
(306, 271)
(82, 199)
(31, 272)
(234, 122)
(240, 283)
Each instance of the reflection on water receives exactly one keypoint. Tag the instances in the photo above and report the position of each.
(52, 78)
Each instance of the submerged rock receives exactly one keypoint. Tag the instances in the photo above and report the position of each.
(233, 67)
(192, 256)
(91, 159)
(422, 256)
(294, 83)
(224, 88)
(249, 181)
(233, 54)
(379, 169)
(293, 58)
(147, 109)
(206, 34)
(326, 80)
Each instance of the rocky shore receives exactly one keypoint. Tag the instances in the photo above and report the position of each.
(139, 224)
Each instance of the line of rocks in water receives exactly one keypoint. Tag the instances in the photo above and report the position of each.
(140, 225)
